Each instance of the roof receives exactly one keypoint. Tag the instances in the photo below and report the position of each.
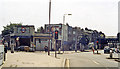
(25, 26)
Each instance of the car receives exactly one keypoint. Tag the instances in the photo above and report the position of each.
(23, 48)
(20, 48)
(107, 49)
(31, 49)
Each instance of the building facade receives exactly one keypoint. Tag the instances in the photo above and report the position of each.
(25, 35)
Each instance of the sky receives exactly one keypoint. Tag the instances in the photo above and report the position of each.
(101, 15)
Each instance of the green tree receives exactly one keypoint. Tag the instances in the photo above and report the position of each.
(40, 29)
(9, 28)
(102, 34)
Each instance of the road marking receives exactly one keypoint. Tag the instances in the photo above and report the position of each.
(95, 62)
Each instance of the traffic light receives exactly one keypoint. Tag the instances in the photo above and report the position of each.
(56, 34)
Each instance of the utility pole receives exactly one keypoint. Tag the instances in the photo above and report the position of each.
(49, 27)
(55, 49)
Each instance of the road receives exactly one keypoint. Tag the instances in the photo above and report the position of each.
(88, 59)
(41, 59)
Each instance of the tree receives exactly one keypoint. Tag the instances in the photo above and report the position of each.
(9, 28)
(67, 24)
(82, 29)
(102, 34)
(86, 28)
(40, 29)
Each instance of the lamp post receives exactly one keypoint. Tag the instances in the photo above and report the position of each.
(63, 30)
(49, 26)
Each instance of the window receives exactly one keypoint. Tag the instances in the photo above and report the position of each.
(73, 32)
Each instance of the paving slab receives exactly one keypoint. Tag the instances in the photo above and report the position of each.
(32, 59)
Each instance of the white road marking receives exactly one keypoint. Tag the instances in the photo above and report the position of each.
(95, 62)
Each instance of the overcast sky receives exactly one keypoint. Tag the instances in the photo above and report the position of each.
(101, 15)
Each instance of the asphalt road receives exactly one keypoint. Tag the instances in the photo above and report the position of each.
(88, 59)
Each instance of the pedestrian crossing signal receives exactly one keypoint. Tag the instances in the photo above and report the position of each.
(97, 42)
(56, 34)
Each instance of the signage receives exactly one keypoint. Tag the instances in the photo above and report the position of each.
(23, 29)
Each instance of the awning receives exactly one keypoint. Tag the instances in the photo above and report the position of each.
(21, 36)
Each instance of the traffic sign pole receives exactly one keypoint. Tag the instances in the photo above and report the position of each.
(55, 49)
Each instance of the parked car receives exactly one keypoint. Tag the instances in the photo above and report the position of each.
(23, 48)
(26, 48)
(106, 49)
(20, 48)
(31, 49)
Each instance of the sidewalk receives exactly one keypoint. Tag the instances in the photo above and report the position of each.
(32, 59)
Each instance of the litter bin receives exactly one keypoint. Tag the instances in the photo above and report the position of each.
(1, 54)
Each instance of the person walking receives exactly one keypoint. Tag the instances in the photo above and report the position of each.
(46, 48)
(5, 49)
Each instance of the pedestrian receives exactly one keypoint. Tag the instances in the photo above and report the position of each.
(5, 46)
(5, 49)
(46, 48)
(70, 48)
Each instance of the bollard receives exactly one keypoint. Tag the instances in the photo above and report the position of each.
(93, 51)
(97, 51)
(75, 50)
(110, 54)
(4, 56)
(59, 51)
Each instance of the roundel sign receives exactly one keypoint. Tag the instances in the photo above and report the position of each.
(23, 30)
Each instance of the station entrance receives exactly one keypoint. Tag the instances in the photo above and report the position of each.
(24, 42)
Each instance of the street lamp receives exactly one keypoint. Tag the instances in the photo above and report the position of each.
(49, 26)
(63, 30)
(64, 17)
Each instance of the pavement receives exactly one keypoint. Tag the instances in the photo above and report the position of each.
(68, 59)
(32, 59)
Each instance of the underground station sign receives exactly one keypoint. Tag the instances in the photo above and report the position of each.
(23, 29)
